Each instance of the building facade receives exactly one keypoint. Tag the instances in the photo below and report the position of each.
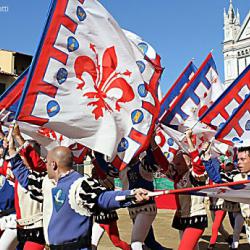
(236, 45)
(12, 64)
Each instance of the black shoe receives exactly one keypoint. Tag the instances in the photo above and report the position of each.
(211, 247)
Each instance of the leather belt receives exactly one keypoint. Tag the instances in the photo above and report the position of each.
(31, 220)
(83, 242)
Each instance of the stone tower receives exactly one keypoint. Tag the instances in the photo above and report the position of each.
(236, 45)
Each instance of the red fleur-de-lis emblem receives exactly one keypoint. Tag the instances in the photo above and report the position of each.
(105, 78)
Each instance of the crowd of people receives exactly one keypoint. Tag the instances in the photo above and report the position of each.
(46, 204)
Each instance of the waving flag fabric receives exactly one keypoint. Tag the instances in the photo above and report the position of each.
(86, 84)
(237, 191)
(47, 138)
(170, 141)
(236, 130)
(9, 101)
(148, 61)
(176, 89)
(79, 152)
(202, 90)
(230, 99)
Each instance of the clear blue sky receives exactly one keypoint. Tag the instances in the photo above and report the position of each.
(178, 29)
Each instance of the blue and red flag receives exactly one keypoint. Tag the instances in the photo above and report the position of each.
(170, 141)
(195, 98)
(148, 56)
(231, 98)
(9, 102)
(236, 130)
(177, 87)
(48, 138)
(86, 83)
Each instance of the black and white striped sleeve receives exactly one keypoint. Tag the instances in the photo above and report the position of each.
(84, 194)
(228, 176)
(35, 183)
(30, 180)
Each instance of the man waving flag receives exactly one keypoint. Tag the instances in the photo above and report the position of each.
(84, 83)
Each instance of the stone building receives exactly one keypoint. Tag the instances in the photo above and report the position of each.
(12, 64)
(236, 45)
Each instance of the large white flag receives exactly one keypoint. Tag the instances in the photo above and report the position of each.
(85, 83)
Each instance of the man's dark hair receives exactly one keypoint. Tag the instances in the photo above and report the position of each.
(244, 149)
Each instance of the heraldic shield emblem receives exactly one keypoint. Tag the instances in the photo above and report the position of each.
(58, 198)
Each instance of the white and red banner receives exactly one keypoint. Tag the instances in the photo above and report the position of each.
(79, 152)
(85, 83)
(195, 98)
(233, 191)
(170, 141)
(237, 191)
(236, 130)
(47, 138)
(148, 61)
(9, 102)
(176, 89)
(231, 98)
